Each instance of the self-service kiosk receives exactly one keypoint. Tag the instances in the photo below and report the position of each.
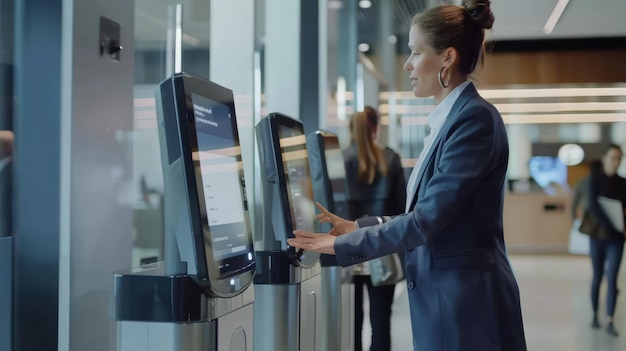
(202, 297)
(329, 186)
(287, 309)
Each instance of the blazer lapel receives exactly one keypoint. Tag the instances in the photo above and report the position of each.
(466, 95)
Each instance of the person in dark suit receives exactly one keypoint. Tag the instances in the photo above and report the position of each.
(375, 185)
(462, 292)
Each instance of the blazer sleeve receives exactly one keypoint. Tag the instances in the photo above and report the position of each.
(466, 158)
(397, 193)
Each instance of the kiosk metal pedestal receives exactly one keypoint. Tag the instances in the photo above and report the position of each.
(337, 309)
(287, 311)
(328, 175)
(156, 312)
(288, 316)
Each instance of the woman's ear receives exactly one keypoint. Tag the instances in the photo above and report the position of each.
(450, 56)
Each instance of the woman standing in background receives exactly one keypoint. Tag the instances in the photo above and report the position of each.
(375, 187)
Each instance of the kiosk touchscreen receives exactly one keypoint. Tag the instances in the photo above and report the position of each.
(328, 173)
(210, 261)
(288, 200)
(287, 281)
(329, 186)
(203, 173)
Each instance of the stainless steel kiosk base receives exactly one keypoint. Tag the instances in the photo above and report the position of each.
(287, 317)
(225, 333)
(170, 313)
(337, 309)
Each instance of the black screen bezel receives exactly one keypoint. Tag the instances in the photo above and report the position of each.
(303, 258)
(327, 138)
(189, 143)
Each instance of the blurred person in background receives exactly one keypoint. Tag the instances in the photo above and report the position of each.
(375, 187)
(606, 243)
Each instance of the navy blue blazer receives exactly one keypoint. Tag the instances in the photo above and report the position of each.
(462, 291)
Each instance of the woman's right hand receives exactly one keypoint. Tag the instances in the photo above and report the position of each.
(340, 225)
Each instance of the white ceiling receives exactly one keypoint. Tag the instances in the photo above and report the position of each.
(525, 19)
(515, 19)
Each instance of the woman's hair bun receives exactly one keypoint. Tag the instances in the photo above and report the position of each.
(480, 11)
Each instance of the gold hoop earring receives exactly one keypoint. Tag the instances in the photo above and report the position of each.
(441, 79)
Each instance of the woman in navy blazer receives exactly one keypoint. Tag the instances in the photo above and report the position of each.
(462, 292)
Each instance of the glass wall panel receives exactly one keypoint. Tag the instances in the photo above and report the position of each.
(6, 171)
(6, 117)
(156, 23)
(342, 41)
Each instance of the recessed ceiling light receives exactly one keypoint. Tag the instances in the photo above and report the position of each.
(571, 154)
(365, 4)
(364, 47)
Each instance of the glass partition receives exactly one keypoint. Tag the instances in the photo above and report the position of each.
(6, 117)
(174, 36)
(162, 28)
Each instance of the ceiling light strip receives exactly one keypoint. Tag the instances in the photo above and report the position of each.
(561, 107)
(564, 118)
(529, 93)
(555, 92)
(555, 16)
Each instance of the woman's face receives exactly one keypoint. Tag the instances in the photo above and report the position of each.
(611, 161)
(423, 64)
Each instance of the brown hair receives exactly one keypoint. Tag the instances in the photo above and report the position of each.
(371, 160)
(460, 27)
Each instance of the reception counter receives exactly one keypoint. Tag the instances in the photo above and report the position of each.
(535, 222)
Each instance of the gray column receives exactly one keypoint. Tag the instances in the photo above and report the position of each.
(520, 151)
(292, 60)
(7, 36)
(37, 144)
(7, 15)
(96, 172)
(309, 65)
(282, 56)
(387, 45)
(322, 53)
(347, 47)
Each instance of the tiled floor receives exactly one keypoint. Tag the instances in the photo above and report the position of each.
(555, 303)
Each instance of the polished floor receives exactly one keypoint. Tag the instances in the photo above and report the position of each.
(555, 303)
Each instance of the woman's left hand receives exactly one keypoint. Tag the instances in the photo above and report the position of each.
(322, 243)
(340, 225)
